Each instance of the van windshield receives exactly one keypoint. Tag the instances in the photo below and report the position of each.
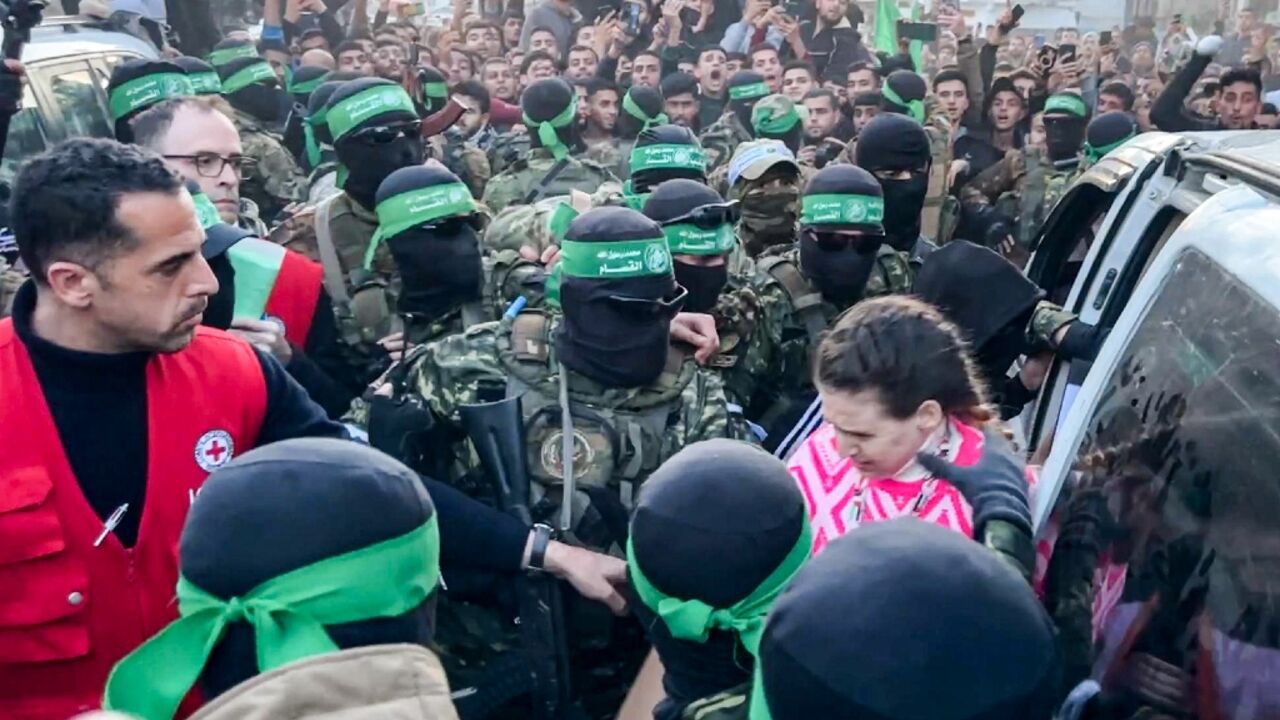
(1179, 584)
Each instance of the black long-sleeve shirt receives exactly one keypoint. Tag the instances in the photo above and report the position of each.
(1169, 112)
(322, 368)
(98, 403)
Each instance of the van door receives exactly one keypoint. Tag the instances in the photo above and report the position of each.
(73, 98)
(27, 135)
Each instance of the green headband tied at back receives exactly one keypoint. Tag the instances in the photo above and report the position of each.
(287, 613)
(547, 134)
(915, 108)
(647, 121)
(1094, 154)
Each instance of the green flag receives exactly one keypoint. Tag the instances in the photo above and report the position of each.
(887, 26)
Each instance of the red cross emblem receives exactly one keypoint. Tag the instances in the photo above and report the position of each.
(214, 449)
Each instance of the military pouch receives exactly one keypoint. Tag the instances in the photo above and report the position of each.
(370, 305)
(397, 426)
(595, 447)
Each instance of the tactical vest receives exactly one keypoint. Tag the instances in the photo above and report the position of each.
(364, 315)
(620, 436)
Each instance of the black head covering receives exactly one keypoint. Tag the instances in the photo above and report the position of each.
(431, 103)
(1064, 130)
(908, 86)
(645, 180)
(1106, 130)
(306, 73)
(132, 70)
(676, 198)
(618, 344)
(897, 142)
(319, 99)
(194, 66)
(287, 505)
(544, 100)
(902, 620)
(986, 296)
(649, 101)
(840, 274)
(261, 99)
(369, 162)
(439, 262)
(743, 108)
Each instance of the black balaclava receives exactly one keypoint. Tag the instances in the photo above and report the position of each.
(746, 87)
(316, 110)
(136, 85)
(547, 107)
(896, 142)
(1108, 132)
(221, 308)
(435, 90)
(288, 505)
(204, 78)
(1065, 117)
(760, 515)
(610, 253)
(426, 217)
(943, 629)
(368, 161)
(675, 199)
(640, 109)
(840, 198)
(302, 83)
(250, 85)
(986, 296)
(903, 93)
(645, 180)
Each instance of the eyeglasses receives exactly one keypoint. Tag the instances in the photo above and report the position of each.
(647, 307)
(863, 244)
(709, 217)
(211, 165)
(384, 134)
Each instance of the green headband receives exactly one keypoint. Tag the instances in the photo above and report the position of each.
(1094, 154)
(831, 209)
(1069, 104)
(306, 87)
(561, 218)
(242, 79)
(206, 211)
(351, 112)
(637, 112)
(218, 58)
(689, 239)
(780, 124)
(435, 90)
(694, 620)
(205, 83)
(547, 134)
(747, 92)
(414, 207)
(287, 613)
(614, 260)
(915, 108)
(668, 156)
(147, 91)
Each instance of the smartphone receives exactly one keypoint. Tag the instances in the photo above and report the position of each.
(1046, 56)
(1104, 38)
(793, 8)
(925, 32)
(1015, 15)
(1066, 53)
(631, 18)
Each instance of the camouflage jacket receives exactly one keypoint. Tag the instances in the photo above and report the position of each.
(250, 218)
(506, 149)
(722, 138)
(519, 226)
(272, 178)
(464, 159)
(1025, 185)
(614, 154)
(524, 178)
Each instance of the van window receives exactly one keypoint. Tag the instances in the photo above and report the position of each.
(26, 135)
(1179, 463)
(1069, 233)
(76, 94)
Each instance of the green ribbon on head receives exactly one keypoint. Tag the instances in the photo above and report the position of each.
(310, 142)
(435, 90)
(614, 260)
(205, 83)
(351, 112)
(206, 211)
(547, 134)
(306, 87)
(287, 613)
(147, 91)
(561, 218)
(245, 77)
(414, 207)
(218, 58)
(668, 156)
(693, 620)
(637, 112)
(834, 209)
(689, 239)
(781, 124)
(1094, 154)
(915, 108)
(1069, 104)
(748, 92)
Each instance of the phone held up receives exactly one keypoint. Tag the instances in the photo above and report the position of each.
(925, 32)
(1015, 14)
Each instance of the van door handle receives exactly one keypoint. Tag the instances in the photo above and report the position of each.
(1107, 281)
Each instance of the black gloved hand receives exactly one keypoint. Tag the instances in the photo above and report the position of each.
(996, 487)
(10, 91)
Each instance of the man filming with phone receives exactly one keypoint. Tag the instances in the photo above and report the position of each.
(830, 38)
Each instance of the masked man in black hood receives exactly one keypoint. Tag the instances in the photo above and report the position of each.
(842, 256)
(895, 148)
(272, 178)
(734, 127)
(302, 82)
(662, 153)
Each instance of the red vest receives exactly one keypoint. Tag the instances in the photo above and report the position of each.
(69, 610)
(294, 296)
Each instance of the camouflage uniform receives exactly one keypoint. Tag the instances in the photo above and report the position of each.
(506, 149)
(519, 226)
(272, 178)
(250, 218)
(11, 278)
(525, 176)
(1026, 185)
(613, 154)
(462, 158)
(722, 138)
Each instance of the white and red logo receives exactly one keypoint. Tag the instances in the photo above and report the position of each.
(214, 449)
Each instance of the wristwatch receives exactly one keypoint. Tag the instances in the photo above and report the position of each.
(538, 553)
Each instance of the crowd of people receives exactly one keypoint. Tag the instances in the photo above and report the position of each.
(569, 360)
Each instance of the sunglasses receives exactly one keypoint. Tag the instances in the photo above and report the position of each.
(384, 134)
(709, 217)
(839, 241)
(454, 223)
(647, 307)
